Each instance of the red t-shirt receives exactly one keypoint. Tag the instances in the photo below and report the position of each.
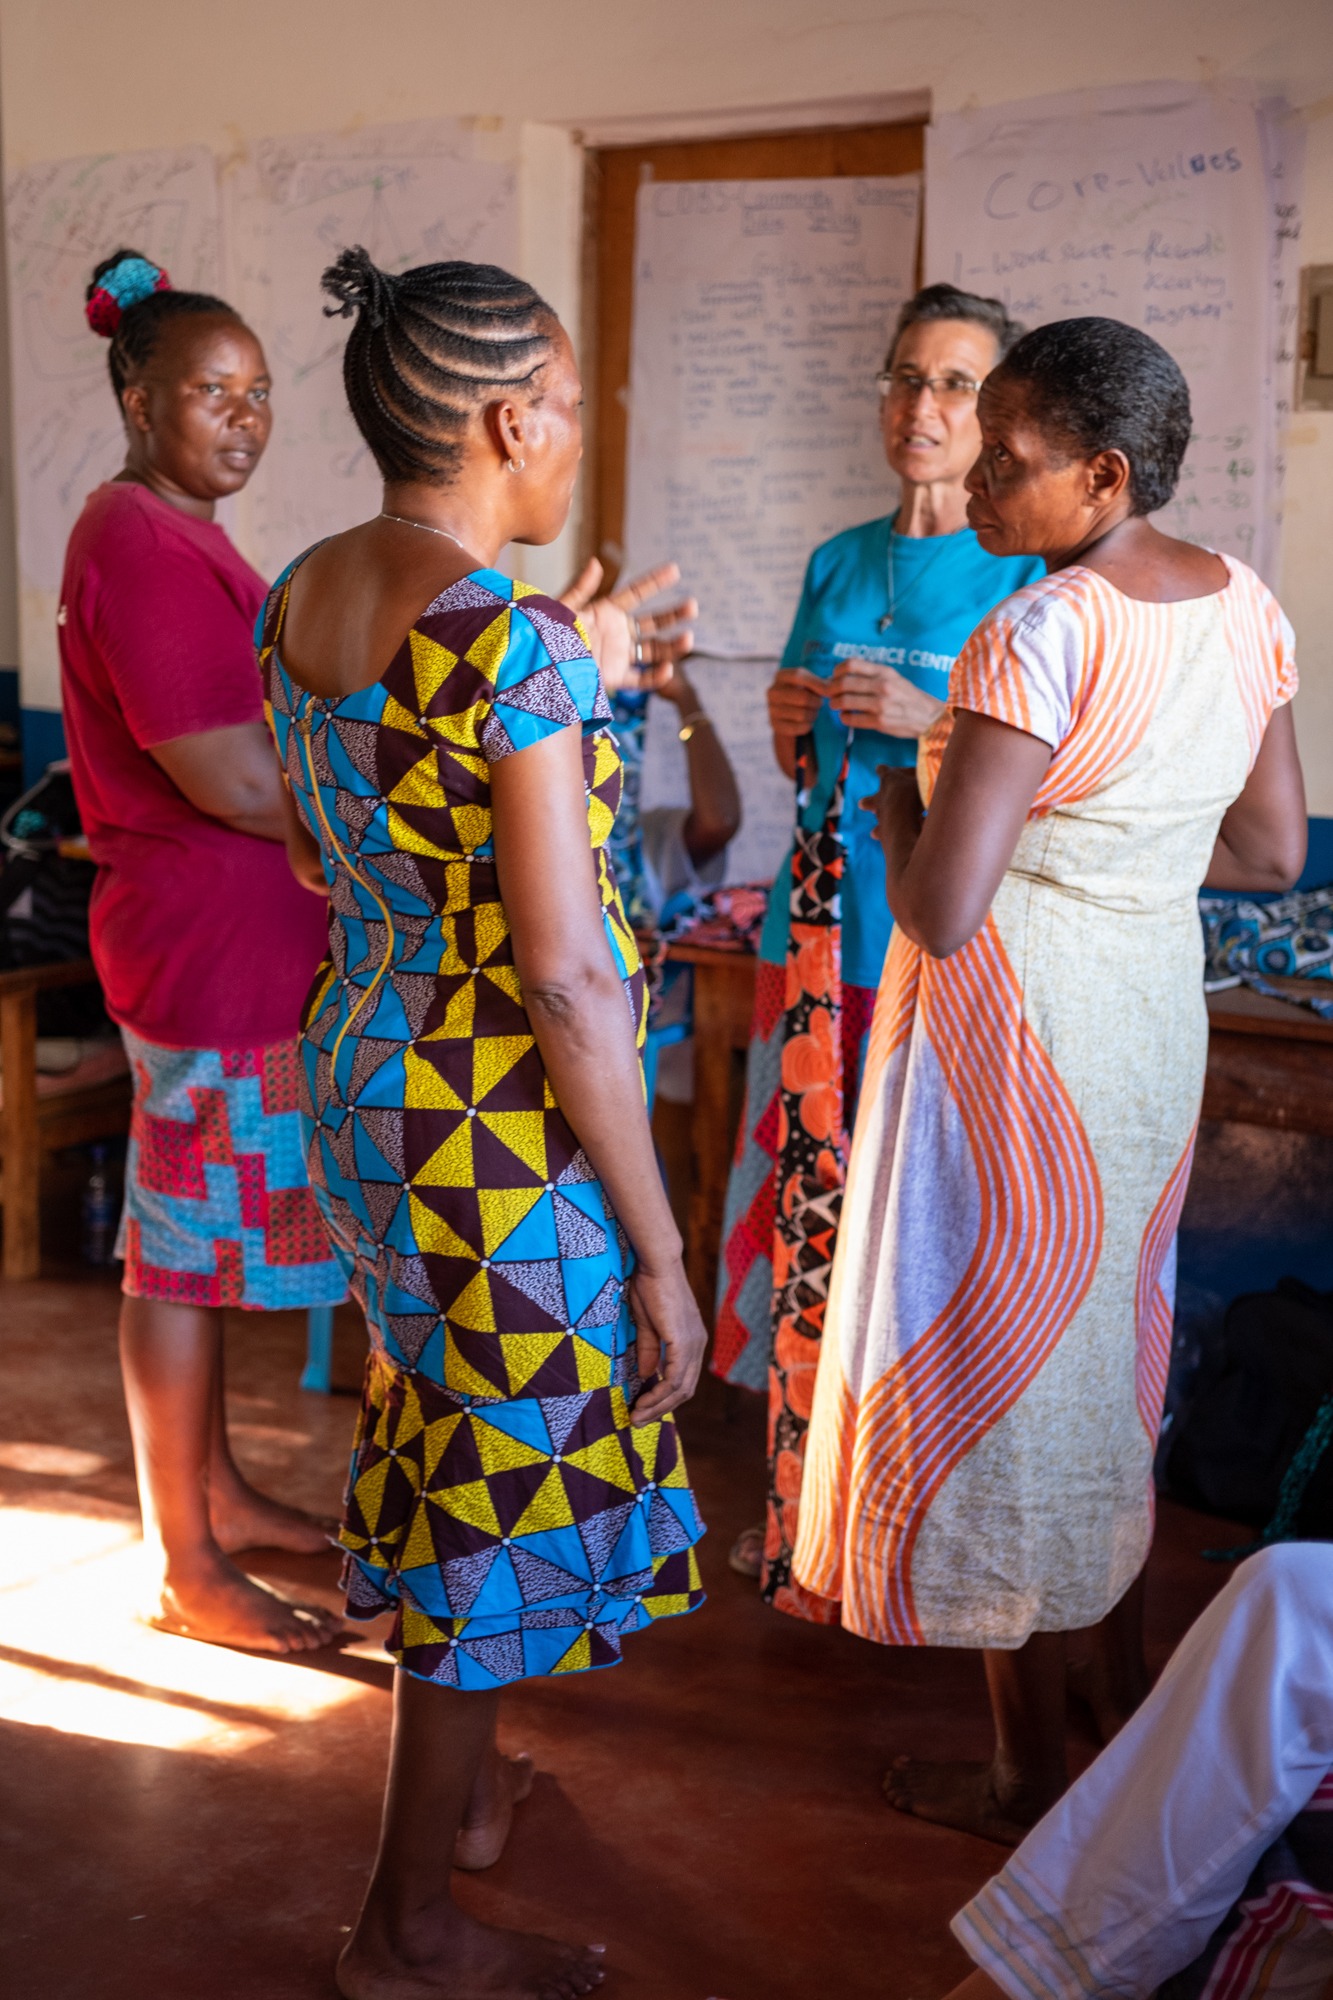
(201, 936)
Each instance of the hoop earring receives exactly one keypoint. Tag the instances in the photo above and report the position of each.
(516, 464)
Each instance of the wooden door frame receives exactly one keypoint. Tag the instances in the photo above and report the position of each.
(611, 179)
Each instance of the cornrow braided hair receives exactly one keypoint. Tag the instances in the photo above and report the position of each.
(429, 348)
(129, 300)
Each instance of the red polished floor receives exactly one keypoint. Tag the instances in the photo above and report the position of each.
(183, 1823)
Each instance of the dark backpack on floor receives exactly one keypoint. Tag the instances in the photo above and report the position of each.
(1254, 1403)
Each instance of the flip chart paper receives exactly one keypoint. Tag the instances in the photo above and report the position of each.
(61, 218)
(413, 196)
(762, 310)
(1153, 205)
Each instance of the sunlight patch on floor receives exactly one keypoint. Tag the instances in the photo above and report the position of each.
(75, 1657)
(51, 1461)
(46, 1700)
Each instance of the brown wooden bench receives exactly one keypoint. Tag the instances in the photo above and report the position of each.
(38, 1118)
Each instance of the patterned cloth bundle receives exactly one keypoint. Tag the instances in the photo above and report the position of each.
(1248, 943)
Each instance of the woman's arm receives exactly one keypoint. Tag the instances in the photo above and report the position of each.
(715, 803)
(942, 868)
(576, 1003)
(1262, 840)
(231, 774)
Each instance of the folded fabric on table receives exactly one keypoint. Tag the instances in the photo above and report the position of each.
(1251, 943)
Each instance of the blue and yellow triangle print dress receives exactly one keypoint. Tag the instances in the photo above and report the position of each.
(499, 1500)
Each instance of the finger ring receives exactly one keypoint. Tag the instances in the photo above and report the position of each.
(638, 652)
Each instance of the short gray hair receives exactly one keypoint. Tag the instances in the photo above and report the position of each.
(947, 302)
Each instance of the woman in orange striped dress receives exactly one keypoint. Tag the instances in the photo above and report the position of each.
(979, 1464)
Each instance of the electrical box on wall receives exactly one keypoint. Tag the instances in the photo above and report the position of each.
(1314, 387)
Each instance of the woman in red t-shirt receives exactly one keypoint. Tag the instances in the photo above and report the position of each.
(204, 941)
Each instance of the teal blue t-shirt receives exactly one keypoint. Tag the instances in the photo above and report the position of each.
(943, 586)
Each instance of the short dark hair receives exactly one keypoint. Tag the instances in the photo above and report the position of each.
(430, 346)
(1103, 386)
(947, 302)
(138, 328)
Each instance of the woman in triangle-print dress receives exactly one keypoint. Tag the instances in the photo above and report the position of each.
(476, 1123)
(500, 1503)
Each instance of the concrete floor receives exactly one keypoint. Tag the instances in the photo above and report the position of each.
(184, 1823)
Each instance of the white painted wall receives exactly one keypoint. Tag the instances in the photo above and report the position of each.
(77, 76)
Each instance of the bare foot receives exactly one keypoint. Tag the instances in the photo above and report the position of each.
(964, 1796)
(449, 1956)
(211, 1600)
(746, 1555)
(1090, 1681)
(502, 1783)
(242, 1518)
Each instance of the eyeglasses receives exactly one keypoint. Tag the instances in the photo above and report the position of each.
(905, 385)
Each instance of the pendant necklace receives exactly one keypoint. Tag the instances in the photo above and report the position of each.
(892, 612)
(424, 526)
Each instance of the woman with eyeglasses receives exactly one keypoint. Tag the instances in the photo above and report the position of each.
(885, 609)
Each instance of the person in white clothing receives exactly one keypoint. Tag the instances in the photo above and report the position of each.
(1194, 1859)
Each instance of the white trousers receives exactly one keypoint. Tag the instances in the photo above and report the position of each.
(1125, 1880)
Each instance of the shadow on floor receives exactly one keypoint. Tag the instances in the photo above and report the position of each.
(184, 1823)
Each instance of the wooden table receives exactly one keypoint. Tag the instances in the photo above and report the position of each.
(1270, 1062)
(723, 1008)
(32, 1124)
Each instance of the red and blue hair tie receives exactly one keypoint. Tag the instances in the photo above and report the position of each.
(124, 285)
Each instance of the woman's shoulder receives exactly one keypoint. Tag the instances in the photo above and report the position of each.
(1260, 634)
(1250, 588)
(850, 549)
(125, 531)
(486, 598)
(119, 521)
(529, 648)
(1059, 603)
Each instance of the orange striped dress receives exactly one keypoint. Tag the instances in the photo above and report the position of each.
(994, 1360)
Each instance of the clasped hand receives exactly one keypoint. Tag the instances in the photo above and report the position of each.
(863, 694)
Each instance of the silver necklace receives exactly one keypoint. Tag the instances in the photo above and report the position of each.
(924, 571)
(425, 527)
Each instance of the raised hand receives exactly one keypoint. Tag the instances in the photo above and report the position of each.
(634, 654)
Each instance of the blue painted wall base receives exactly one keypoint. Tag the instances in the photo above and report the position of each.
(43, 738)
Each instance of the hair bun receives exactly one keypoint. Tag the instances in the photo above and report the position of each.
(358, 284)
(120, 281)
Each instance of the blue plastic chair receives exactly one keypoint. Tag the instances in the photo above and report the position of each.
(318, 1371)
(655, 1041)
